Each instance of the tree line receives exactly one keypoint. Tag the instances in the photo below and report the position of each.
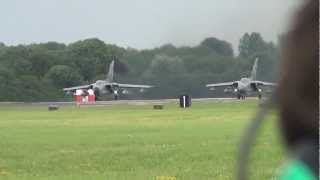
(38, 72)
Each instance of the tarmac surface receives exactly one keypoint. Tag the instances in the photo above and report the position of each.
(110, 103)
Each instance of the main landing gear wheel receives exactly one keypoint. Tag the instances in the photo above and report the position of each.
(116, 97)
(240, 96)
(97, 95)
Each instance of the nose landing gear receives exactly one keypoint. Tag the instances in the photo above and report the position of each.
(116, 95)
(259, 93)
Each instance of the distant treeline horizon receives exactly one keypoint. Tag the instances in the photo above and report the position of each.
(38, 72)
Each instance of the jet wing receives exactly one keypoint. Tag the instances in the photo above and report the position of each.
(77, 87)
(262, 83)
(134, 86)
(222, 84)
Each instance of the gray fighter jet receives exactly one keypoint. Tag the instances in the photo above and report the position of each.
(245, 86)
(107, 86)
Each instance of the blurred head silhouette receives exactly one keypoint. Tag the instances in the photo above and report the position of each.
(298, 90)
(297, 97)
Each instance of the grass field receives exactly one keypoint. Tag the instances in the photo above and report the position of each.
(132, 142)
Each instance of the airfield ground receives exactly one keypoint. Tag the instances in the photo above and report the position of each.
(129, 142)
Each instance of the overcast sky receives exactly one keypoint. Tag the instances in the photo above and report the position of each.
(142, 23)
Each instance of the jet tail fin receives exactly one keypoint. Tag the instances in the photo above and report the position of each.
(254, 69)
(111, 71)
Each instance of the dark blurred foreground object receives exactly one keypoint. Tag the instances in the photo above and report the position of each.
(297, 98)
(53, 107)
(185, 101)
(298, 94)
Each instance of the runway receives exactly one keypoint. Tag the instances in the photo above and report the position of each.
(110, 103)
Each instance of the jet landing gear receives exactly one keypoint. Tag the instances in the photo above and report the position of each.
(116, 95)
(259, 94)
(241, 96)
(238, 96)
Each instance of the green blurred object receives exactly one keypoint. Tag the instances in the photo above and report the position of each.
(297, 170)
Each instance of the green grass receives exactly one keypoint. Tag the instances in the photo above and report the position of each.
(132, 142)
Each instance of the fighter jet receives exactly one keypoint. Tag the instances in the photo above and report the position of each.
(107, 86)
(245, 86)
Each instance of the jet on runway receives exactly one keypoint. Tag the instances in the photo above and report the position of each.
(245, 86)
(107, 86)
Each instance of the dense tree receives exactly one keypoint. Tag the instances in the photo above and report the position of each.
(17, 58)
(92, 56)
(53, 46)
(40, 63)
(167, 74)
(63, 76)
(220, 47)
(6, 76)
(162, 64)
(38, 72)
(2, 48)
(251, 45)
